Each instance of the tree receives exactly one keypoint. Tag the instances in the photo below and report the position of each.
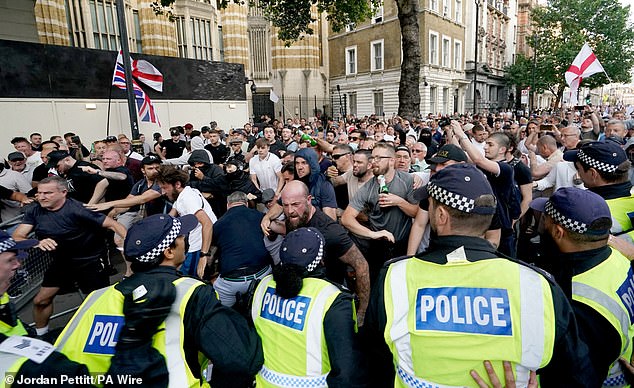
(293, 19)
(561, 29)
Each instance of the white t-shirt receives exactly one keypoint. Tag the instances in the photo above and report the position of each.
(266, 170)
(190, 201)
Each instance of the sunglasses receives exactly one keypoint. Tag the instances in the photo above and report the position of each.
(336, 157)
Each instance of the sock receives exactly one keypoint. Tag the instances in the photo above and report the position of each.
(41, 330)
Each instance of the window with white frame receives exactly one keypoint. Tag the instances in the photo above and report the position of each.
(446, 51)
(352, 102)
(377, 13)
(378, 102)
(433, 5)
(445, 101)
(457, 55)
(181, 37)
(351, 60)
(104, 24)
(446, 8)
(376, 55)
(433, 96)
(458, 11)
(201, 38)
(433, 48)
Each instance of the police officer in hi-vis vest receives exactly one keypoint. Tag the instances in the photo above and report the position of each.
(433, 318)
(197, 329)
(597, 279)
(307, 324)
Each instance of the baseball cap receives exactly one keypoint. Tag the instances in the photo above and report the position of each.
(147, 239)
(13, 156)
(150, 159)
(235, 141)
(403, 148)
(467, 127)
(8, 244)
(605, 156)
(575, 209)
(111, 139)
(458, 186)
(268, 195)
(303, 247)
(240, 131)
(174, 132)
(449, 152)
(55, 156)
(188, 126)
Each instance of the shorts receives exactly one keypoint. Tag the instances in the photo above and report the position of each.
(67, 275)
(190, 265)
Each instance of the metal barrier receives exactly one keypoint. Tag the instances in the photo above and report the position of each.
(28, 277)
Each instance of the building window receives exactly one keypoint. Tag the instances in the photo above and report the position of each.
(433, 5)
(457, 55)
(352, 101)
(377, 14)
(104, 25)
(351, 60)
(458, 11)
(350, 27)
(137, 32)
(378, 102)
(433, 95)
(221, 45)
(201, 38)
(446, 51)
(445, 101)
(181, 37)
(376, 50)
(446, 9)
(433, 48)
(260, 52)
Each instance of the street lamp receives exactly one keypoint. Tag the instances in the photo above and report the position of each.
(475, 70)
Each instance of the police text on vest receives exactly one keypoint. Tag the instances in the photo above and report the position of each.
(288, 312)
(626, 293)
(104, 333)
(462, 309)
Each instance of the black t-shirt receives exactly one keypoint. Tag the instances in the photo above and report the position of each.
(119, 189)
(522, 172)
(172, 149)
(77, 231)
(40, 172)
(5, 193)
(502, 189)
(337, 244)
(277, 147)
(81, 185)
(219, 152)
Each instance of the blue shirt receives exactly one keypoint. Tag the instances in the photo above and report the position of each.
(240, 240)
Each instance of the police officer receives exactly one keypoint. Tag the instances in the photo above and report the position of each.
(436, 316)
(197, 328)
(306, 323)
(597, 279)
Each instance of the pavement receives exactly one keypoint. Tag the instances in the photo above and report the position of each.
(68, 303)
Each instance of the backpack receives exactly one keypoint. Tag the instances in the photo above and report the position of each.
(515, 198)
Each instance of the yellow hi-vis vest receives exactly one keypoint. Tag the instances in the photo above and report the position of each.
(91, 335)
(621, 209)
(608, 288)
(295, 351)
(443, 320)
(10, 363)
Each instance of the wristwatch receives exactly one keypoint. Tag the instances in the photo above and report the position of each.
(205, 254)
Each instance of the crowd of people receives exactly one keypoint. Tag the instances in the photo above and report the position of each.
(358, 252)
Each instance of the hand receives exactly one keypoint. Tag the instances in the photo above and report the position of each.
(202, 264)
(383, 234)
(98, 207)
(251, 197)
(198, 174)
(628, 370)
(386, 200)
(623, 246)
(332, 172)
(509, 379)
(265, 225)
(89, 169)
(418, 182)
(47, 244)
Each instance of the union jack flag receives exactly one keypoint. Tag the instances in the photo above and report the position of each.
(144, 105)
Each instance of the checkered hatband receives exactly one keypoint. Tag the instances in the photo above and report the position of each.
(7, 244)
(601, 166)
(320, 255)
(570, 224)
(163, 245)
(450, 199)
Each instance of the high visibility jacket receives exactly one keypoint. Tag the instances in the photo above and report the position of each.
(7, 329)
(91, 335)
(295, 351)
(10, 363)
(608, 288)
(621, 210)
(444, 319)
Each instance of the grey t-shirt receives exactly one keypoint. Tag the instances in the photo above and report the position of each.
(390, 218)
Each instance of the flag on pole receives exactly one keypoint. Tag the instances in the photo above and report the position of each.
(145, 72)
(584, 65)
(145, 108)
(273, 97)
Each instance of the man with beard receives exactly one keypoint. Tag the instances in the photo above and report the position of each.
(300, 212)
(356, 176)
(389, 213)
(187, 200)
(322, 192)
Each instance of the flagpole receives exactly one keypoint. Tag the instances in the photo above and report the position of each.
(607, 76)
(134, 125)
(108, 119)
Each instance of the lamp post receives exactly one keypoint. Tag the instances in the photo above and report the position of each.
(475, 69)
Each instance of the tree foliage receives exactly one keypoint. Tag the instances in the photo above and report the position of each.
(560, 30)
